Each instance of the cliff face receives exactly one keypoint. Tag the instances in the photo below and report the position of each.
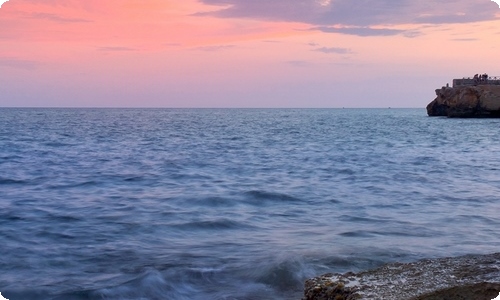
(481, 101)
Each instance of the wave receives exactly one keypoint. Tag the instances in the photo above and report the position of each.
(218, 224)
(10, 181)
(258, 197)
(82, 184)
(211, 201)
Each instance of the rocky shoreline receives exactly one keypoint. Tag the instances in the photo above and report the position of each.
(468, 101)
(471, 277)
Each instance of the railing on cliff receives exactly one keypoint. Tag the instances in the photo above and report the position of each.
(467, 81)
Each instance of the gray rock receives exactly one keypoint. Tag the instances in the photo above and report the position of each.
(472, 277)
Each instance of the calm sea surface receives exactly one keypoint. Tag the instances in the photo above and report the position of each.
(234, 204)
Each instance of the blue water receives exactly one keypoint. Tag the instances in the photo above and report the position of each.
(234, 204)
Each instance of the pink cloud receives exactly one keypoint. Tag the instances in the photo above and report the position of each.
(235, 52)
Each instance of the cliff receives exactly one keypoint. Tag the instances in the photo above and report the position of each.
(471, 277)
(480, 101)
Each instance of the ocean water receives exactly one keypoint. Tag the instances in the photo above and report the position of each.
(234, 203)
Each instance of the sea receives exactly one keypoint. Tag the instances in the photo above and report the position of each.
(234, 203)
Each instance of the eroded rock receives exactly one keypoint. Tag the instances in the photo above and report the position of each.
(466, 102)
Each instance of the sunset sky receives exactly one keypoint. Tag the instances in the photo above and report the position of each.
(241, 53)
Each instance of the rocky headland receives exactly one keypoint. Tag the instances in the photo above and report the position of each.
(471, 277)
(466, 101)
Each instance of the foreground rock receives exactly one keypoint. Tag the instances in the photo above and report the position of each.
(472, 277)
(466, 101)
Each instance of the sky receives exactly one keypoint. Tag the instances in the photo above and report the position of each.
(241, 53)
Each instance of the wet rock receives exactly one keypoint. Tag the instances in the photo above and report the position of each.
(322, 288)
(472, 277)
(479, 291)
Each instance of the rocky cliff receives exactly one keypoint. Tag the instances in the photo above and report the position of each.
(481, 101)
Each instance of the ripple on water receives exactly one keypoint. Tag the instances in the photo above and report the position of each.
(259, 197)
(215, 225)
(233, 204)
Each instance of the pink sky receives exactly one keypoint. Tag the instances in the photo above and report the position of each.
(240, 53)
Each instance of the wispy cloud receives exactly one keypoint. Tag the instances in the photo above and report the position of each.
(57, 18)
(299, 63)
(465, 40)
(360, 31)
(116, 49)
(361, 14)
(214, 48)
(335, 50)
(17, 63)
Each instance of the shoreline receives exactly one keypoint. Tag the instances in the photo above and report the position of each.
(472, 277)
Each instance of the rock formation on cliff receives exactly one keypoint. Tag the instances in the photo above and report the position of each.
(478, 101)
(471, 277)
